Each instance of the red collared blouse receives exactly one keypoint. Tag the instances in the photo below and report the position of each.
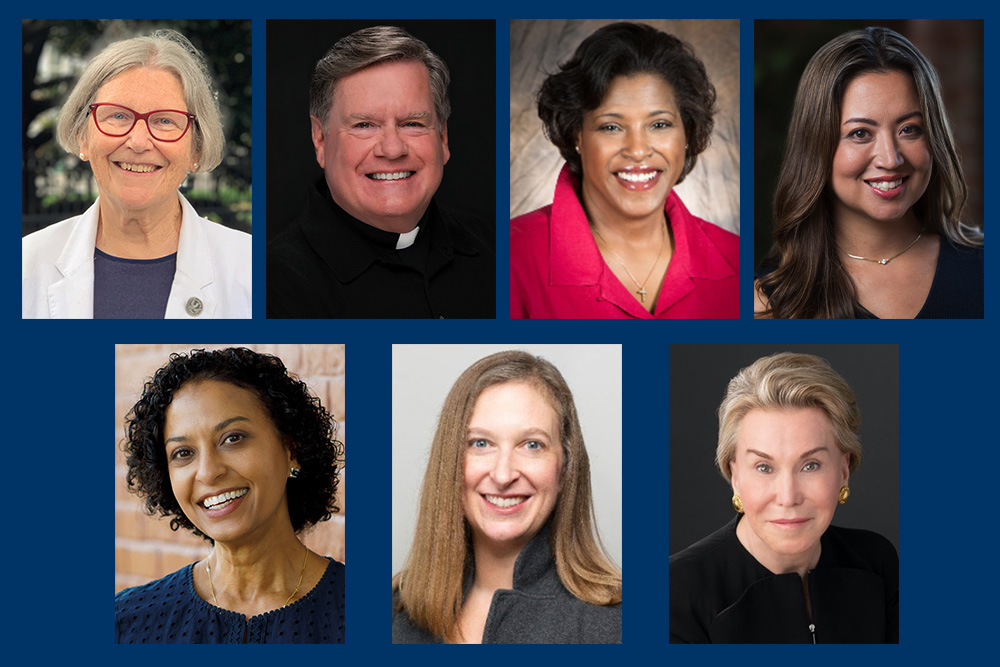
(557, 272)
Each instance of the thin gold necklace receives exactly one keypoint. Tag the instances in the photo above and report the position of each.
(886, 260)
(642, 288)
(304, 558)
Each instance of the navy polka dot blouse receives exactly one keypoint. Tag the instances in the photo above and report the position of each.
(168, 611)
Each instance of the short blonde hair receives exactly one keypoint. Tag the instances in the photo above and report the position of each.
(789, 380)
(164, 49)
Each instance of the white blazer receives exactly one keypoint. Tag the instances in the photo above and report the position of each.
(212, 280)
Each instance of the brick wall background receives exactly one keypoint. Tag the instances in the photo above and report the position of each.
(145, 547)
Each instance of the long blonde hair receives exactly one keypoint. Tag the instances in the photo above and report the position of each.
(429, 586)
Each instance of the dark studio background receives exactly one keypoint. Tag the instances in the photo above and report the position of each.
(468, 47)
(700, 498)
(782, 49)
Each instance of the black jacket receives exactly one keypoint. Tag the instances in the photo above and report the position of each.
(328, 264)
(539, 610)
(720, 594)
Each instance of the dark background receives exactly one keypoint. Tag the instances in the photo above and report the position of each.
(782, 49)
(468, 48)
(700, 498)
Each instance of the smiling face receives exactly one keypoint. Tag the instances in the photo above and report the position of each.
(513, 465)
(135, 172)
(227, 463)
(381, 148)
(788, 472)
(632, 149)
(883, 162)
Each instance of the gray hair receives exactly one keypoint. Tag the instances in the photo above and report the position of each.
(373, 46)
(164, 49)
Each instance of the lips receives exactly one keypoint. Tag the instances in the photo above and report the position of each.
(137, 168)
(390, 175)
(887, 187)
(220, 500)
(638, 178)
(790, 523)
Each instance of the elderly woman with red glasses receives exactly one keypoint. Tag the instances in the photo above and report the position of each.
(144, 116)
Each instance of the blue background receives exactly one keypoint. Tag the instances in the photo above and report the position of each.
(58, 397)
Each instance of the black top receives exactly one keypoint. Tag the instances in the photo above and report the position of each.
(132, 288)
(329, 264)
(538, 610)
(169, 611)
(957, 290)
(720, 594)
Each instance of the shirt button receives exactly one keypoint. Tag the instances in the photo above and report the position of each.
(194, 306)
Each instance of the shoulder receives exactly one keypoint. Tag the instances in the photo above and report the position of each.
(703, 559)
(529, 235)
(467, 230)
(404, 630)
(220, 237)
(142, 611)
(162, 591)
(861, 548)
(49, 238)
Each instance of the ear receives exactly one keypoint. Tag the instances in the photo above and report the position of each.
(846, 466)
(444, 143)
(319, 137)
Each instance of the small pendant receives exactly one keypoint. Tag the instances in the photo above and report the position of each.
(883, 261)
(642, 294)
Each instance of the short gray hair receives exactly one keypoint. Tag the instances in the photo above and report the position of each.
(374, 46)
(164, 49)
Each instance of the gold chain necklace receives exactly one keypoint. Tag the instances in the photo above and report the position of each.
(886, 260)
(304, 558)
(642, 288)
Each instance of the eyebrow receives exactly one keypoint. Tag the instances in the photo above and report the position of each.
(218, 427)
(658, 112)
(869, 121)
(416, 115)
(527, 433)
(805, 455)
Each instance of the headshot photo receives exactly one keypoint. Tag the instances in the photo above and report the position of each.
(506, 494)
(136, 169)
(869, 169)
(381, 184)
(231, 459)
(624, 169)
(784, 494)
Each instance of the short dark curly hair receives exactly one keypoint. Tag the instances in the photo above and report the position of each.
(295, 413)
(626, 49)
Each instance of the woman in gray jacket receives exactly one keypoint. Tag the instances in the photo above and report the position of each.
(506, 550)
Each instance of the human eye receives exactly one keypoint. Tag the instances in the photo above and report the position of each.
(911, 130)
(763, 468)
(608, 127)
(181, 454)
(478, 443)
(233, 438)
(534, 445)
(812, 466)
(662, 125)
(860, 134)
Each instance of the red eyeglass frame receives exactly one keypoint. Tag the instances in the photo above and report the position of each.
(143, 117)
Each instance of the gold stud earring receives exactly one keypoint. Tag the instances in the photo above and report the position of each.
(737, 503)
(845, 493)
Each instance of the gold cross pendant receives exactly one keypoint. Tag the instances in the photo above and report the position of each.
(642, 294)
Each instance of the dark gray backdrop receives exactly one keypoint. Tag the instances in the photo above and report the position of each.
(467, 46)
(700, 499)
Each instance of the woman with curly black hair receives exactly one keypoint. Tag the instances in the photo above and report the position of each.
(235, 450)
(630, 112)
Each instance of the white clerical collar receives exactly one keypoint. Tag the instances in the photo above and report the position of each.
(407, 239)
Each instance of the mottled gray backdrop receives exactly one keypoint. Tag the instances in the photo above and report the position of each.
(711, 191)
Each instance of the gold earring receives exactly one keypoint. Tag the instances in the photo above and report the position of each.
(845, 493)
(737, 504)
(81, 157)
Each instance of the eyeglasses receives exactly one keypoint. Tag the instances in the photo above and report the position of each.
(115, 120)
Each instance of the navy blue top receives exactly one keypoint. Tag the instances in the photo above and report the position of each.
(169, 611)
(132, 288)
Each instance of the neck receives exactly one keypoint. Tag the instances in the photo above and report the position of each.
(139, 234)
(776, 563)
(494, 565)
(862, 236)
(618, 229)
(250, 571)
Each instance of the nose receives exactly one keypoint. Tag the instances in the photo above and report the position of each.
(210, 467)
(636, 145)
(505, 471)
(139, 139)
(391, 144)
(887, 155)
(788, 492)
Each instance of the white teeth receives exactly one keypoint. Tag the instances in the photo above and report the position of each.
(637, 177)
(215, 502)
(141, 168)
(505, 502)
(885, 186)
(394, 176)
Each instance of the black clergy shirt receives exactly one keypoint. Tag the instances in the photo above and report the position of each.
(329, 264)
